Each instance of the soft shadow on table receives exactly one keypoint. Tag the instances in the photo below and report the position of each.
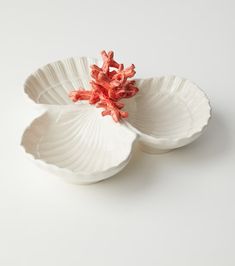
(214, 143)
(138, 176)
(135, 176)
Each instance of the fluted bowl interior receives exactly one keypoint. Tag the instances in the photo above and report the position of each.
(168, 111)
(52, 83)
(79, 140)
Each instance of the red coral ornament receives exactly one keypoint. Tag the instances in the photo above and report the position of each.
(108, 87)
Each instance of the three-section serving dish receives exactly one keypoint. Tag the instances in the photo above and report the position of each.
(76, 142)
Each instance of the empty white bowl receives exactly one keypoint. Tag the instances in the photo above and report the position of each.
(51, 84)
(76, 142)
(167, 113)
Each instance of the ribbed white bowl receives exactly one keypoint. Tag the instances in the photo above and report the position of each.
(78, 141)
(51, 84)
(167, 113)
(75, 141)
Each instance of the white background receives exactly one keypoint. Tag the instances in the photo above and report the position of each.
(175, 209)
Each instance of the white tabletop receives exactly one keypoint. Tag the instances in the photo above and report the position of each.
(174, 209)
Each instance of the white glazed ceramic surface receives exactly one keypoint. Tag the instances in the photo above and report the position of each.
(52, 83)
(167, 113)
(76, 142)
(81, 141)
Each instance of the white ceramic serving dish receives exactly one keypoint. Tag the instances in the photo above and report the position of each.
(76, 142)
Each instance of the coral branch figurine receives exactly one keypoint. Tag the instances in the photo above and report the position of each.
(110, 84)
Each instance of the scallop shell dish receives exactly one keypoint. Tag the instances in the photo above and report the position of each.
(96, 112)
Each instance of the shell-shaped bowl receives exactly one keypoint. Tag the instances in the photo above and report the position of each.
(51, 84)
(167, 113)
(76, 142)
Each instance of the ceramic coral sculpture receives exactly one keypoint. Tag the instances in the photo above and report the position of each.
(110, 84)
